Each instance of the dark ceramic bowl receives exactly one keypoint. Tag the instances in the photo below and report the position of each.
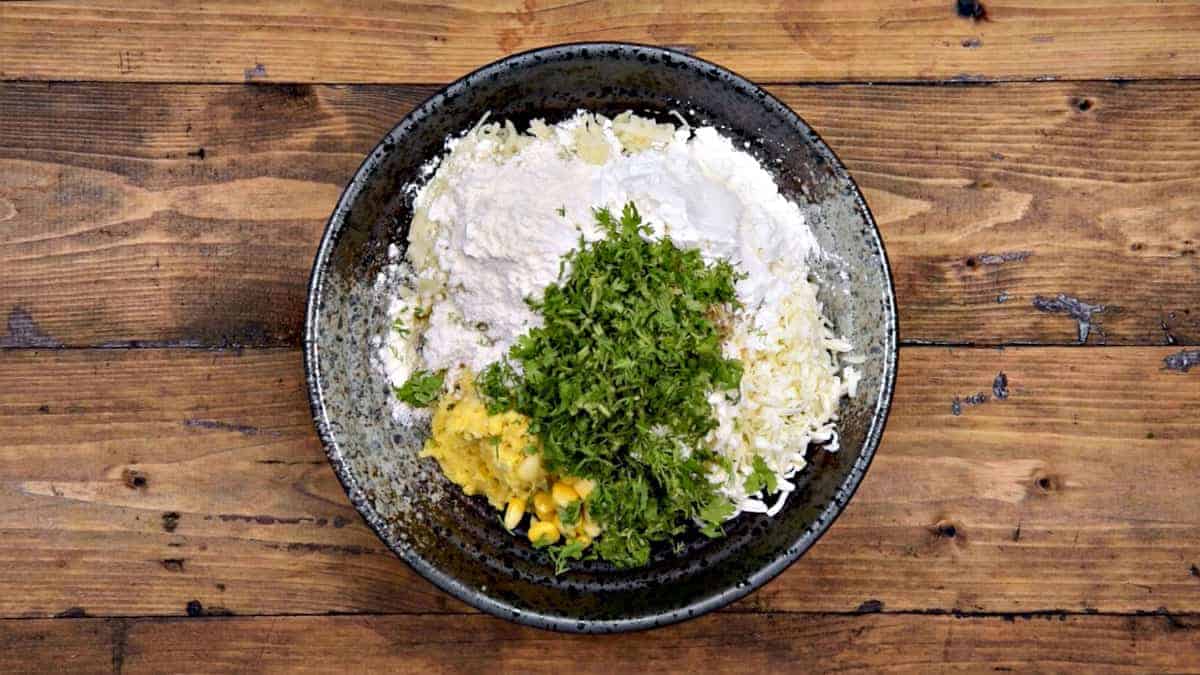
(457, 542)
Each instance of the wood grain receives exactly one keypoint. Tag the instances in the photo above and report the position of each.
(723, 643)
(188, 216)
(401, 42)
(141, 481)
(138, 482)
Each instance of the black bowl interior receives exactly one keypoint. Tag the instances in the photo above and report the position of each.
(458, 542)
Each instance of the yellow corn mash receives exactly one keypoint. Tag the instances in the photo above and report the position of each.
(484, 454)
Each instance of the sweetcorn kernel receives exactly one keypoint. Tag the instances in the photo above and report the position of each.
(584, 487)
(542, 532)
(529, 468)
(543, 505)
(564, 494)
(514, 513)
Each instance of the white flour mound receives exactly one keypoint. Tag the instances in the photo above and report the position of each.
(502, 208)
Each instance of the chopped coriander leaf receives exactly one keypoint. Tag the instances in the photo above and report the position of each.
(399, 327)
(572, 550)
(616, 381)
(561, 211)
(713, 514)
(761, 477)
(421, 389)
(569, 514)
(421, 312)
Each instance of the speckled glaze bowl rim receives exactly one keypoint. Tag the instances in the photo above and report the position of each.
(477, 597)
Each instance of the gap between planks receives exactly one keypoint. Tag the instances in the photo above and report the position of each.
(760, 82)
(735, 609)
(1009, 506)
(1092, 183)
(147, 40)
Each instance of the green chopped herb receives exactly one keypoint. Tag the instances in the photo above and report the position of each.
(616, 382)
(761, 477)
(572, 550)
(421, 389)
(561, 211)
(399, 327)
(713, 514)
(569, 514)
(543, 541)
(421, 312)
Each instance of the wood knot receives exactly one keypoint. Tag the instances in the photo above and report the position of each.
(134, 479)
(971, 9)
(948, 529)
(1081, 104)
(1047, 483)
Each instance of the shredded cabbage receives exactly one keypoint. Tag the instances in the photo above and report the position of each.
(790, 390)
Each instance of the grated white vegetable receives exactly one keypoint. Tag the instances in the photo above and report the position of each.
(790, 390)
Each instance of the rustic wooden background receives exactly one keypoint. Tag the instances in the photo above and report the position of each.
(165, 172)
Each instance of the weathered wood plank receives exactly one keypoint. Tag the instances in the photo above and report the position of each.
(321, 41)
(134, 482)
(41, 646)
(744, 643)
(140, 482)
(190, 214)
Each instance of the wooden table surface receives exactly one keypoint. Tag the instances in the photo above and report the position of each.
(166, 169)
